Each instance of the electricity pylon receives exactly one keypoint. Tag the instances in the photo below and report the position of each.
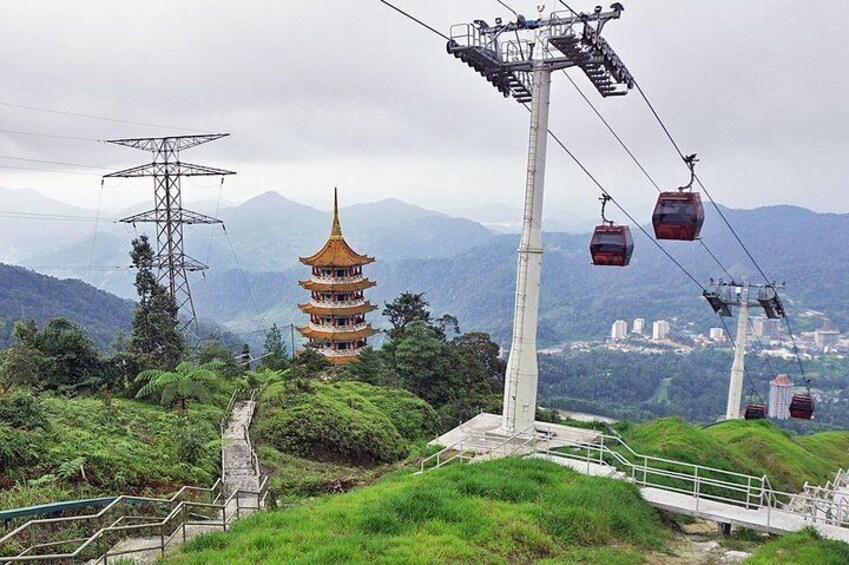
(518, 59)
(168, 213)
(726, 294)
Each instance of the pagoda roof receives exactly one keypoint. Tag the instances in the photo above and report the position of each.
(336, 252)
(310, 333)
(355, 285)
(363, 308)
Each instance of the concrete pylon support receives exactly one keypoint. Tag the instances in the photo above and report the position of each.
(520, 383)
(738, 369)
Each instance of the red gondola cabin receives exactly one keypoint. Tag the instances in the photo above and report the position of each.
(802, 406)
(611, 245)
(678, 215)
(755, 412)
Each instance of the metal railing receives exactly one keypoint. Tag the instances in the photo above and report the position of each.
(609, 455)
(154, 532)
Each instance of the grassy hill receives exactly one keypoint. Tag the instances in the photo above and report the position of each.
(757, 448)
(508, 511)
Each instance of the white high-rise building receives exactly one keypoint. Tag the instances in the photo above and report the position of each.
(780, 396)
(717, 334)
(619, 330)
(766, 327)
(660, 330)
(826, 338)
(639, 326)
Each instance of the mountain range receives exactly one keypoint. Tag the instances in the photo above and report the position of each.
(468, 270)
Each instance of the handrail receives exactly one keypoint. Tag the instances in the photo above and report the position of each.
(698, 481)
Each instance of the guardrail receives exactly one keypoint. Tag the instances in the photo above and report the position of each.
(159, 531)
(700, 482)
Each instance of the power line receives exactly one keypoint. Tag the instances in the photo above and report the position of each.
(57, 217)
(90, 116)
(50, 135)
(241, 271)
(60, 171)
(28, 160)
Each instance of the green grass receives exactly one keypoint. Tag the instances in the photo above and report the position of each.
(801, 548)
(754, 447)
(507, 511)
(348, 423)
(87, 448)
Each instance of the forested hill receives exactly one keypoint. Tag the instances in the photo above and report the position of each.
(26, 294)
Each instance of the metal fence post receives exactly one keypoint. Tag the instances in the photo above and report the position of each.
(184, 522)
(162, 537)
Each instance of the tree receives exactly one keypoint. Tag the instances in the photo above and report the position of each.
(311, 361)
(156, 336)
(186, 382)
(370, 367)
(74, 363)
(274, 355)
(408, 307)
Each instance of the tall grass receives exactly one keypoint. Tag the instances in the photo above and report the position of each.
(507, 511)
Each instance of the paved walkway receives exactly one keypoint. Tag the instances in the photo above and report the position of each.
(764, 519)
(239, 472)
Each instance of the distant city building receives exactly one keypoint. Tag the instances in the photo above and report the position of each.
(639, 326)
(780, 395)
(717, 334)
(826, 338)
(660, 330)
(619, 330)
(766, 327)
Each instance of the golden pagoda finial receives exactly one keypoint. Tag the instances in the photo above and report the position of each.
(336, 229)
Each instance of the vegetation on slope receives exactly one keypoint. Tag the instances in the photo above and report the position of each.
(55, 448)
(801, 548)
(345, 422)
(25, 294)
(753, 447)
(507, 511)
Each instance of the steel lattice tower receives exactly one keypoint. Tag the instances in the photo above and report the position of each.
(168, 214)
(518, 59)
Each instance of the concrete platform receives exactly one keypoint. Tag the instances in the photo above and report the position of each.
(484, 432)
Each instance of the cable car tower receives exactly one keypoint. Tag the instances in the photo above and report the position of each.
(518, 59)
(727, 294)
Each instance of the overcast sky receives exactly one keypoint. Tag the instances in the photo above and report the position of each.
(349, 93)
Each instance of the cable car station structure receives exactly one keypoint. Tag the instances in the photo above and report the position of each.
(722, 297)
(518, 59)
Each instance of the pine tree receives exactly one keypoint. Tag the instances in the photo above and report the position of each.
(275, 355)
(156, 336)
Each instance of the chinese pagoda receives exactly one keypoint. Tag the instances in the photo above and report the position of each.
(337, 310)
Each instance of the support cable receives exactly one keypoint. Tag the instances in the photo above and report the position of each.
(725, 220)
(575, 159)
(415, 19)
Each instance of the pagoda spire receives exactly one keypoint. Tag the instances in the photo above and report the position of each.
(336, 229)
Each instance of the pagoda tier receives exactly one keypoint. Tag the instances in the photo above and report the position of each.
(337, 308)
(319, 283)
(323, 309)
